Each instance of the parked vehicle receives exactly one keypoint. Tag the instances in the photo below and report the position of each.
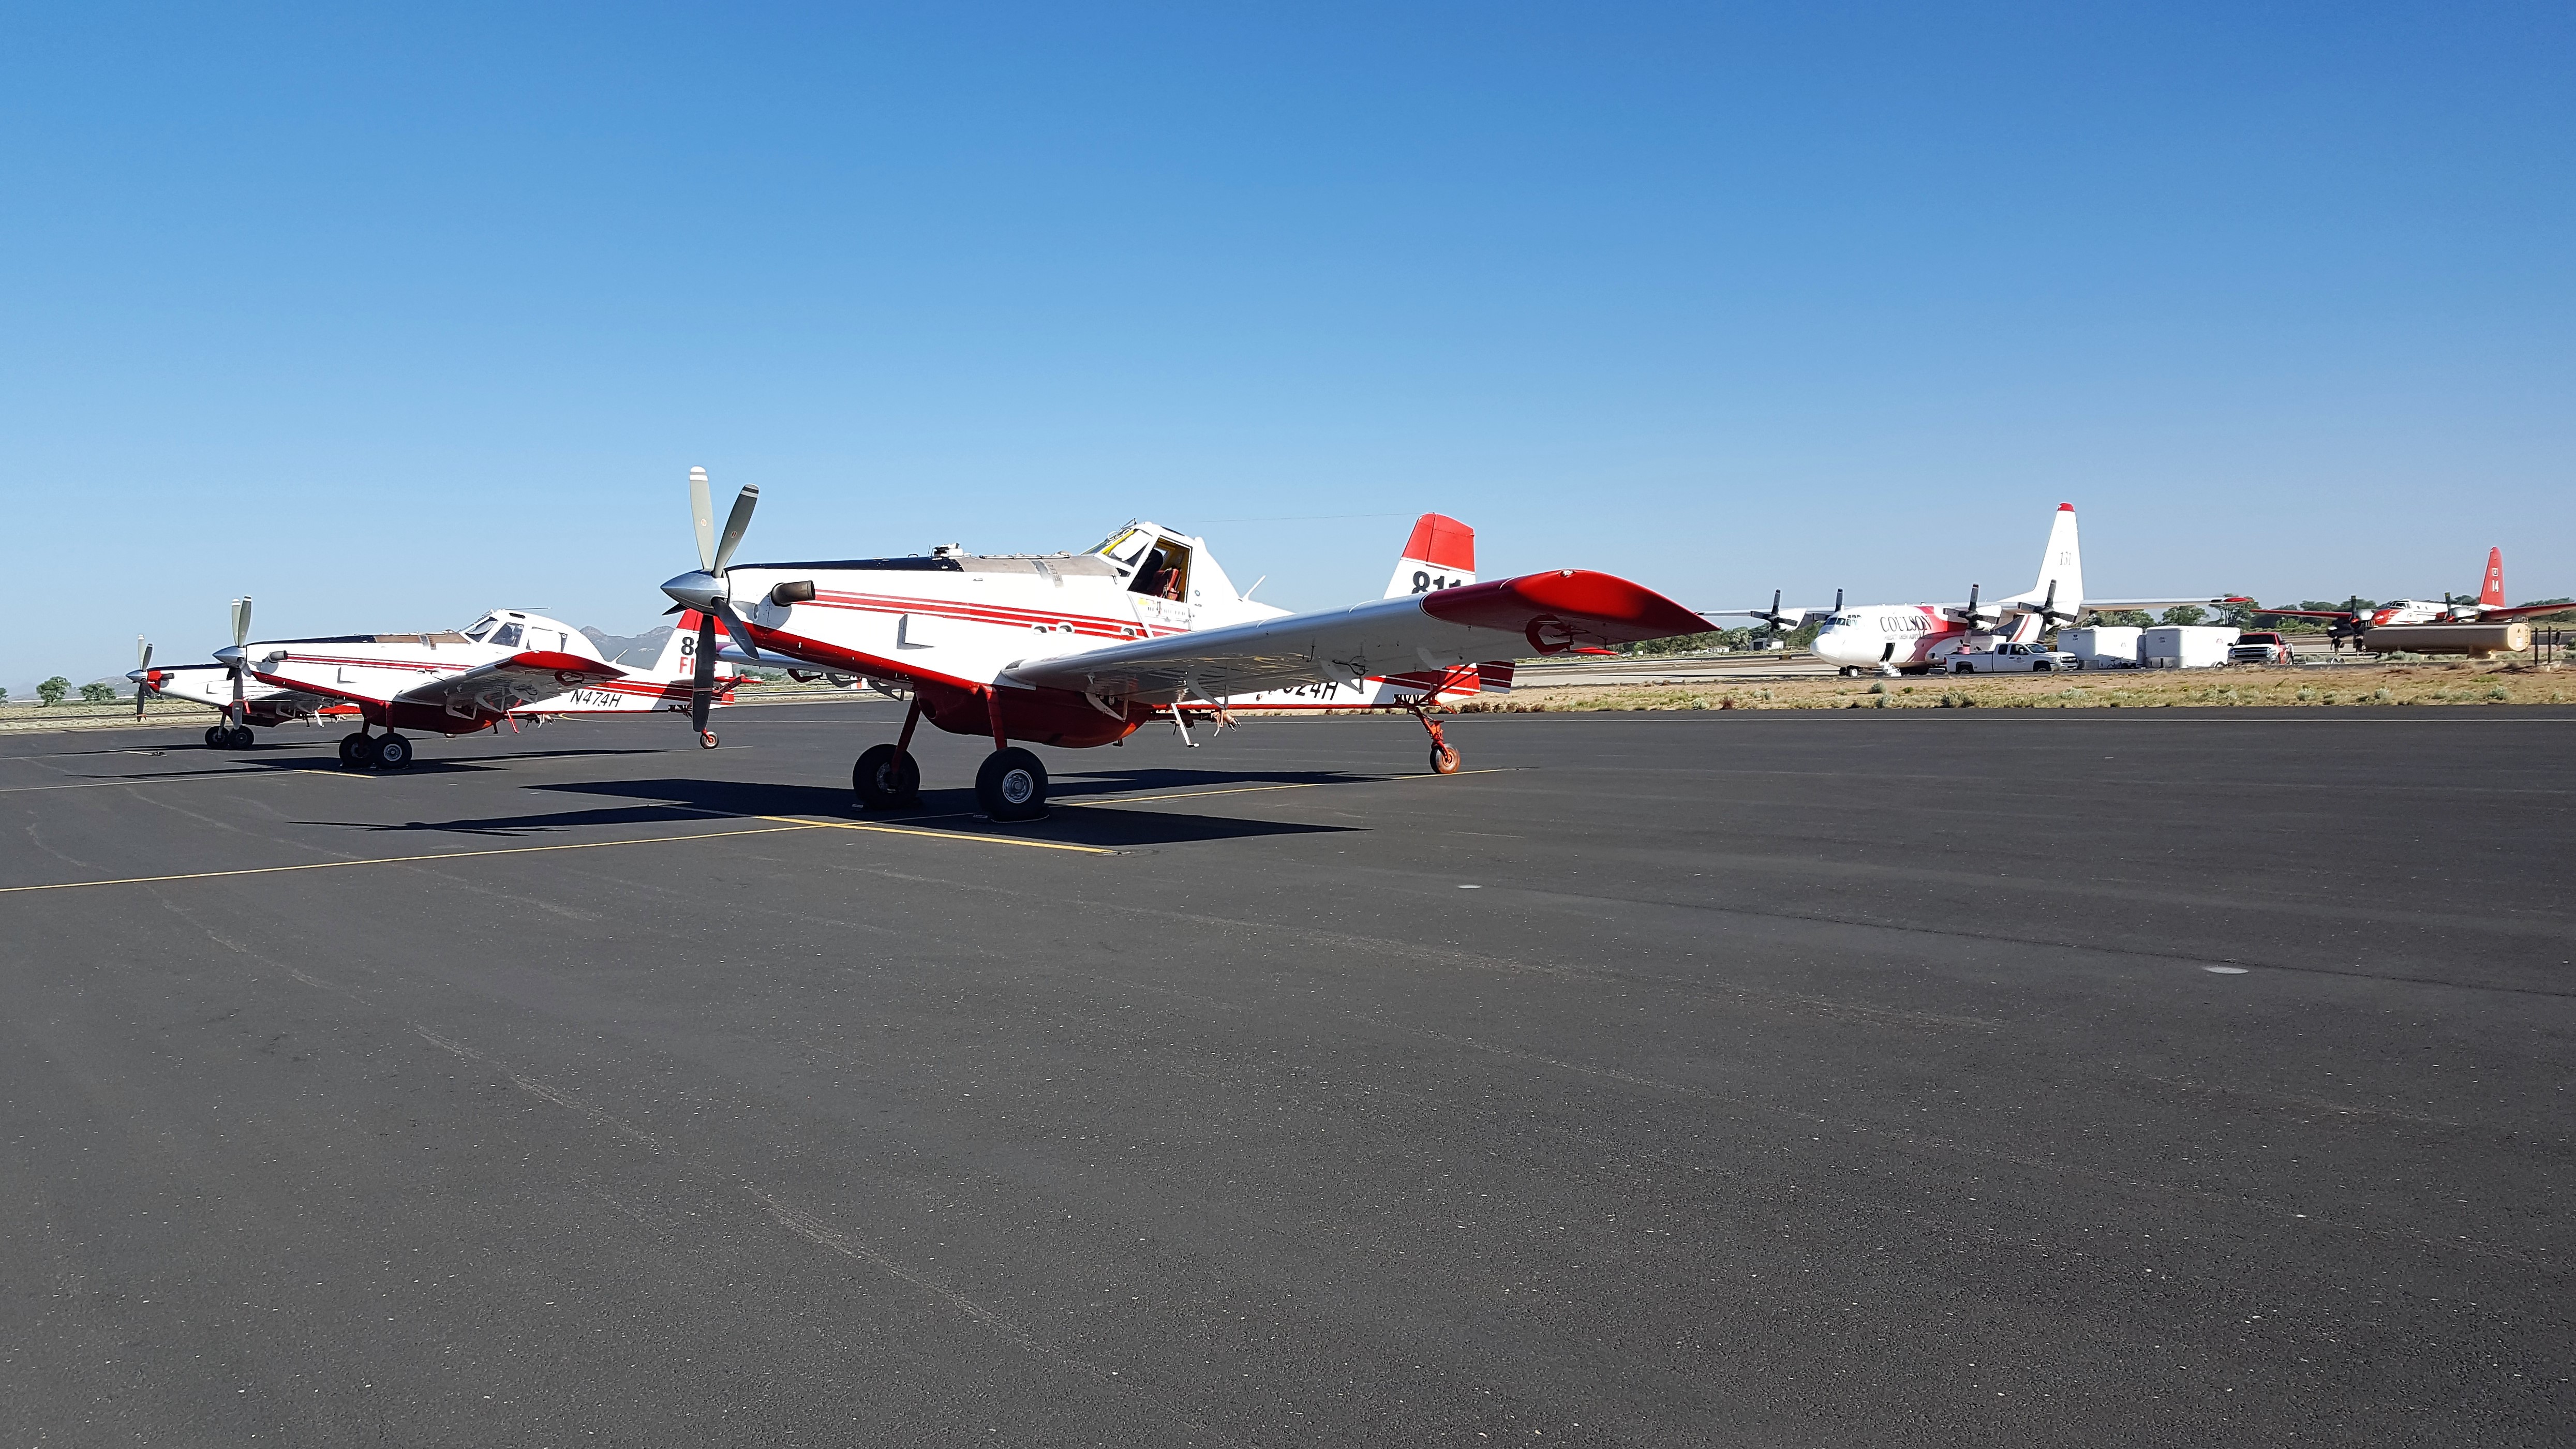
(2184, 646)
(2102, 646)
(2260, 646)
(2012, 659)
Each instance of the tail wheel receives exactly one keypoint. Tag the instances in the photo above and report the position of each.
(1444, 760)
(706, 739)
(1012, 785)
(886, 778)
(392, 752)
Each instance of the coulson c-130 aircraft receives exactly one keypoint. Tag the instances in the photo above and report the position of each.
(1079, 649)
(1912, 638)
(508, 666)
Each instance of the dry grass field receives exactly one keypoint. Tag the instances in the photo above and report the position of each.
(2385, 684)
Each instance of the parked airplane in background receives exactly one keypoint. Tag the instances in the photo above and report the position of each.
(2488, 608)
(221, 687)
(1079, 649)
(510, 665)
(1912, 638)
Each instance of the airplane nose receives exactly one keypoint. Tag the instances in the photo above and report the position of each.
(1835, 644)
(696, 589)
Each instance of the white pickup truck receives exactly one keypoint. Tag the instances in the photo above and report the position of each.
(2012, 659)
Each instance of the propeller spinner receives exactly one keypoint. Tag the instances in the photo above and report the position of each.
(709, 591)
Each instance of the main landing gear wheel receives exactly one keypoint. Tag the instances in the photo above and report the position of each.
(239, 737)
(706, 739)
(357, 751)
(392, 752)
(886, 778)
(215, 736)
(1012, 785)
(1444, 760)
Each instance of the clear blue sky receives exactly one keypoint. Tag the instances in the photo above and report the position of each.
(389, 314)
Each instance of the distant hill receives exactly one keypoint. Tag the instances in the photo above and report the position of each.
(641, 648)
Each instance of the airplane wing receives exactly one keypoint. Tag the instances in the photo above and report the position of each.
(1549, 613)
(1803, 616)
(2492, 613)
(2205, 601)
(2316, 613)
(505, 684)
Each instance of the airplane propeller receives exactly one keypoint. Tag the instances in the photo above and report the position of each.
(143, 689)
(709, 589)
(240, 662)
(2050, 615)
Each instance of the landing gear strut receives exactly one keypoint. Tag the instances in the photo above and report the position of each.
(1013, 783)
(1444, 755)
(886, 778)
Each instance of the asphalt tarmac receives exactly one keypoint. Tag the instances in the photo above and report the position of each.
(1676, 1079)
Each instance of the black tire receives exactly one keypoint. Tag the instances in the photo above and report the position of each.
(242, 738)
(392, 752)
(215, 735)
(1444, 760)
(1012, 785)
(706, 739)
(357, 751)
(2043, 667)
(886, 778)
(1954, 669)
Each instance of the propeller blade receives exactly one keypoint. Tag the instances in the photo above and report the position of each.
(2048, 606)
(241, 620)
(702, 511)
(1838, 601)
(143, 667)
(734, 626)
(1972, 604)
(735, 524)
(702, 697)
(142, 652)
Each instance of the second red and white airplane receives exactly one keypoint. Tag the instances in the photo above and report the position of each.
(2488, 607)
(1079, 649)
(507, 666)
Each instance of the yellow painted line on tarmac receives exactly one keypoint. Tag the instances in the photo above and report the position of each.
(941, 835)
(73, 885)
(178, 778)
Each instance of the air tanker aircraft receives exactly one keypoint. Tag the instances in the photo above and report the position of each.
(510, 665)
(2488, 608)
(1079, 649)
(221, 687)
(1911, 638)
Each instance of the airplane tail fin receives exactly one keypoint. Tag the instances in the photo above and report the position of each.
(678, 659)
(2062, 565)
(1441, 554)
(2491, 592)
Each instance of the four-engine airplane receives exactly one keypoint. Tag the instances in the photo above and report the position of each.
(1912, 638)
(1079, 649)
(509, 665)
(2488, 607)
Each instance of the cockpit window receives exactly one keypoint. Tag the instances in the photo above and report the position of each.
(1125, 545)
(506, 637)
(481, 627)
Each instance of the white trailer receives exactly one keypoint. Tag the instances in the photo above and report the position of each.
(2181, 646)
(2103, 646)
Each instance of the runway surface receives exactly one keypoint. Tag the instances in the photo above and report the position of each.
(1680, 1079)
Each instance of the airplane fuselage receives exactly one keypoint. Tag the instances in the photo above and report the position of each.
(1909, 636)
(373, 672)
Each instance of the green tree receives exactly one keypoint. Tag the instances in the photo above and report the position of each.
(53, 690)
(2239, 615)
(96, 693)
(2185, 614)
(2124, 619)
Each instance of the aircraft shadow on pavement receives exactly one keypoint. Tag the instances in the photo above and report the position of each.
(517, 826)
(940, 810)
(1071, 786)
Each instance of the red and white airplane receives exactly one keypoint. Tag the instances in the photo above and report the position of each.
(1079, 649)
(2488, 608)
(222, 687)
(1912, 638)
(508, 666)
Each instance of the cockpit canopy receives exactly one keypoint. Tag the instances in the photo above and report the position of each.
(515, 629)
